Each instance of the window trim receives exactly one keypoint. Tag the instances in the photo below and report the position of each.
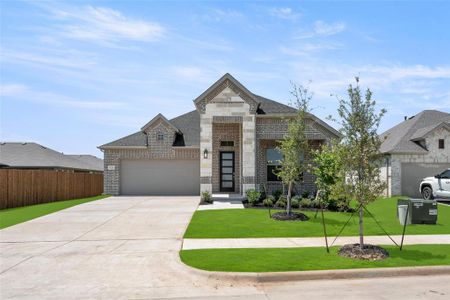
(441, 144)
(160, 136)
(272, 166)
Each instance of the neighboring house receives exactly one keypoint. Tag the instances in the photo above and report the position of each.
(226, 145)
(35, 156)
(416, 148)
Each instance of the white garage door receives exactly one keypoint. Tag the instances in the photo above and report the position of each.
(160, 177)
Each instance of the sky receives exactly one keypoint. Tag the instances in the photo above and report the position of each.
(78, 74)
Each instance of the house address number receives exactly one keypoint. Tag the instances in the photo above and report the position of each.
(111, 167)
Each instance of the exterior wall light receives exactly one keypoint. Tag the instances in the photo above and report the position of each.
(205, 153)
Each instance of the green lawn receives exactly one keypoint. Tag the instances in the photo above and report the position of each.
(303, 259)
(13, 216)
(242, 223)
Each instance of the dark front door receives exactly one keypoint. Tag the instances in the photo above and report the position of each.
(227, 171)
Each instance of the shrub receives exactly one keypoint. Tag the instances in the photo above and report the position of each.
(280, 204)
(206, 197)
(253, 196)
(282, 198)
(268, 202)
(330, 204)
(263, 193)
(315, 203)
(277, 193)
(305, 203)
(298, 198)
(305, 194)
(294, 203)
(271, 198)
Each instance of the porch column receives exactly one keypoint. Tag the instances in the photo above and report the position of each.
(248, 153)
(205, 163)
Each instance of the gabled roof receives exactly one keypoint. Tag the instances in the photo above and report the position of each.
(188, 124)
(221, 80)
(421, 133)
(33, 155)
(401, 138)
(156, 118)
(136, 140)
(226, 81)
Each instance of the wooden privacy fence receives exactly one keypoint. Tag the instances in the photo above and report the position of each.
(28, 187)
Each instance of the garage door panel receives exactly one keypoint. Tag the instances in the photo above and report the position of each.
(160, 177)
(413, 173)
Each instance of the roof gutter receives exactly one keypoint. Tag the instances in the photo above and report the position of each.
(122, 147)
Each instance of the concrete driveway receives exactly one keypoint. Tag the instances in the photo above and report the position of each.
(127, 248)
(119, 247)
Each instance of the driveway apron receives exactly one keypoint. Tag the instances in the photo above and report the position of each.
(114, 248)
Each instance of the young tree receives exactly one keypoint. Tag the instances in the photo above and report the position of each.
(294, 145)
(360, 150)
(326, 166)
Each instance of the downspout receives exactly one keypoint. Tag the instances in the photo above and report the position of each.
(387, 175)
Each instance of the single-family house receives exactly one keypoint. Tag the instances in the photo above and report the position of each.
(226, 145)
(416, 148)
(28, 155)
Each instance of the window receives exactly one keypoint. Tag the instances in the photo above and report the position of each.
(446, 175)
(273, 157)
(226, 144)
(159, 137)
(441, 144)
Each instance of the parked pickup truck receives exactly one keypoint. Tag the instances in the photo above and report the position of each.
(436, 187)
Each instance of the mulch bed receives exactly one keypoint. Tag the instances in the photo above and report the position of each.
(294, 216)
(369, 252)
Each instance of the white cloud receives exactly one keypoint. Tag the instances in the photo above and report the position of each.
(67, 59)
(309, 48)
(396, 87)
(222, 15)
(25, 93)
(286, 13)
(323, 29)
(105, 25)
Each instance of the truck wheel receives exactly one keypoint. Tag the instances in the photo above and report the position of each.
(427, 193)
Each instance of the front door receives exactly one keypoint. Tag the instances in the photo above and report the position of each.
(227, 171)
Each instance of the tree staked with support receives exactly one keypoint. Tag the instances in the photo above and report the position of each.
(359, 175)
(294, 145)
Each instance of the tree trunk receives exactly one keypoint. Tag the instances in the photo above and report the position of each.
(361, 235)
(288, 205)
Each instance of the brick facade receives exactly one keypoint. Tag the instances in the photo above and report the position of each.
(227, 113)
(308, 179)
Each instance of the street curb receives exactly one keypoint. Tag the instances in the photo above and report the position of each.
(322, 274)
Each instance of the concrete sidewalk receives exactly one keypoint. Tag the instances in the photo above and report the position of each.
(189, 244)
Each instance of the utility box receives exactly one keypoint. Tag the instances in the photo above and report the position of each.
(419, 211)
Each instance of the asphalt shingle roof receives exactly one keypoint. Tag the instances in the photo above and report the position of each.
(137, 139)
(268, 106)
(399, 139)
(189, 124)
(33, 155)
(90, 160)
